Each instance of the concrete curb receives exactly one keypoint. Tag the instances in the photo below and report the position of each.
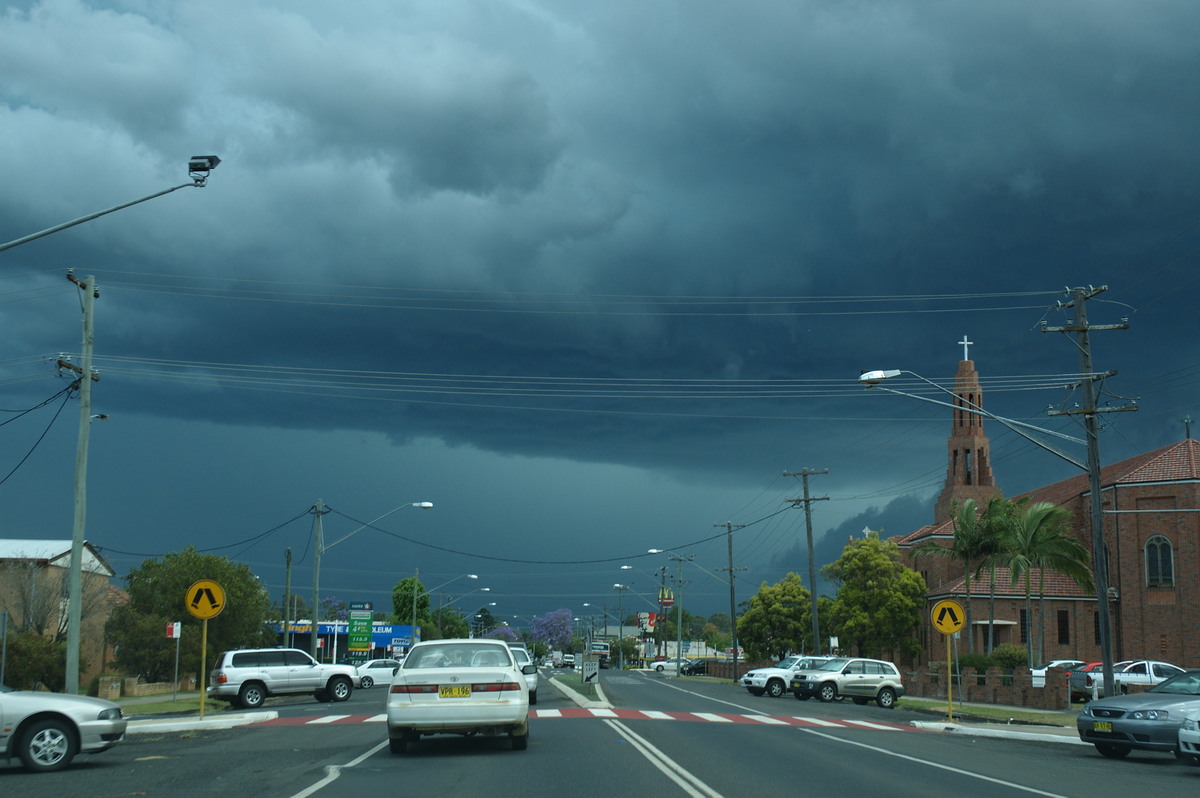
(1007, 732)
(580, 700)
(196, 723)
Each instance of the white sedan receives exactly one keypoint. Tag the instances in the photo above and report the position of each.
(1038, 675)
(466, 686)
(46, 730)
(1189, 737)
(375, 670)
(673, 664)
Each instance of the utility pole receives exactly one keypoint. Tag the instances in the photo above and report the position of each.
(1089, 411)
(75, 575)
(287, 599)
(729, 527)
(679, 611)
(316, 607)
(807, 501)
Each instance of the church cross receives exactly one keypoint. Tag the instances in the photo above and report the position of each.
(965, 344)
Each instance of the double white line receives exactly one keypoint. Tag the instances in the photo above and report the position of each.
(670, 768)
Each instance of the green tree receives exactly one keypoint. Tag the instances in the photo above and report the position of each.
(879, 601)
(35, 660)
(483, 622)
(157, 595)
(445, 623)
(777, 619)
(402, 602)
(1039, 538)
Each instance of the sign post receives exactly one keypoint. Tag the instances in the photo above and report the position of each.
(948, 617)
(204, 599)
(358, 631)
(173, 631)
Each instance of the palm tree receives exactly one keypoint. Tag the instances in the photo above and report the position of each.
(1039, 538)
(971, 543)
(994, 522)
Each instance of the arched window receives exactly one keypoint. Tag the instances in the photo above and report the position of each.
(1160, 563)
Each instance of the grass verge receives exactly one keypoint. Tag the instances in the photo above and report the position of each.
(188, 704)
(990, 714)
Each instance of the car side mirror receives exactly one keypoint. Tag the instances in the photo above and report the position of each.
(527, 669)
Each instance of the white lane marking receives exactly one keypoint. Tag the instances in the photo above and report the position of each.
(937, 765)
(712, 717)
(654, 714)
(820, 722)
(669, 767)
(333, 771)
(869, 725)
(766, 719)
(327, 719)
(549, 713)
(376, 719)
(602, 713)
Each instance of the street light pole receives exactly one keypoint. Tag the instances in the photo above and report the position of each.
(198, 168)
(321, 548)
(416, 597)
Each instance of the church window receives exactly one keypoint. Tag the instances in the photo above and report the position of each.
(1160, 570)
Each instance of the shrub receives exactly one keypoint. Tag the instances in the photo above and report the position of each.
(1010, 655)
(980, 662)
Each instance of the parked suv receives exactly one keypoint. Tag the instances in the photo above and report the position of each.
(862, 679)
(248, 676)
(774, 680)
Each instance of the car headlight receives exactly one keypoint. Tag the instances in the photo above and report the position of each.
(1086, 711)
(110, 714)
(1191, 724)
(1150, 714)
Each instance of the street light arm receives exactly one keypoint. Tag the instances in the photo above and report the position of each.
(871, 379)
(422, 505)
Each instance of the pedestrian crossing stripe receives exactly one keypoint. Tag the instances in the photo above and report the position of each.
(627, 714)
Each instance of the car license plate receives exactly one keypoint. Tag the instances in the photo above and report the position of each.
(454, 691)
(1102, 726)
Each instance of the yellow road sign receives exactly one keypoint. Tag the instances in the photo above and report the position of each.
(948, 616)
(205, 599)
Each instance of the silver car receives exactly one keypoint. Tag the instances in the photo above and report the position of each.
(521, 655)
(1149, 721)
(46, 730)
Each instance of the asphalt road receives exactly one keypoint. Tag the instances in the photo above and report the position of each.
(663, 737)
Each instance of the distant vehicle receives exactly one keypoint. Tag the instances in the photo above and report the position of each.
(1038, 674)
(46, 730)
(861, 679)
(774, 681)
(696, 667)
(375, 670)
(603, 651)
(468, 687)
(568, 660)
(1088, 680)
(521, 655)
(670, 664)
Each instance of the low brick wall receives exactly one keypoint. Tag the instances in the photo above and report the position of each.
(135, 688)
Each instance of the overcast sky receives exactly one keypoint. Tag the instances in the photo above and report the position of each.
(590, 277)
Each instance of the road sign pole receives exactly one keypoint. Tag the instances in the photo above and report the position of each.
(949, 683)
(203, 664)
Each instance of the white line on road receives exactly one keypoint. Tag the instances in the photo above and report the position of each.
(326, 719)
(669, 767)
(712, 717)
(654, 714)
(333, 771)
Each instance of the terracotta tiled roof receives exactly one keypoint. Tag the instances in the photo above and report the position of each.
(1177, 461)
(1057, 586)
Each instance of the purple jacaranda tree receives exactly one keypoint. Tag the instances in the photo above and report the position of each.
(554, 629)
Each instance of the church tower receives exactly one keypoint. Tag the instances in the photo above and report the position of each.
(969, 467)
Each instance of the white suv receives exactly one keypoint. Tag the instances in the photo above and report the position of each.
(248, 676)
(774, 681)
(862, 679)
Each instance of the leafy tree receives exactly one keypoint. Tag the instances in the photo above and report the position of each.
(444, 623)
(554, 629)
(778, 617)
(34, 659)
(715, 638)
(157, 595)
(505, 633)
(879, 601)
(625, 650)
(334, 609)
(1039, 538)
(720, 620)
(483, 622)
(402, 602)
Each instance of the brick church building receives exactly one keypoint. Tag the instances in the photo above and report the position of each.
(1152, 530)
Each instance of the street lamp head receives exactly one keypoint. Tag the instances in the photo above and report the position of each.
(655, 551)
(626, 567)
(485, 590)
(472, 576)
(423, 505)
(202, 163)
(618, 587)
(877, 376)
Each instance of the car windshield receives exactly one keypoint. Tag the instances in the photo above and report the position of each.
(460, 655)
(1187, 683)
(788, 662)
(832, 665)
